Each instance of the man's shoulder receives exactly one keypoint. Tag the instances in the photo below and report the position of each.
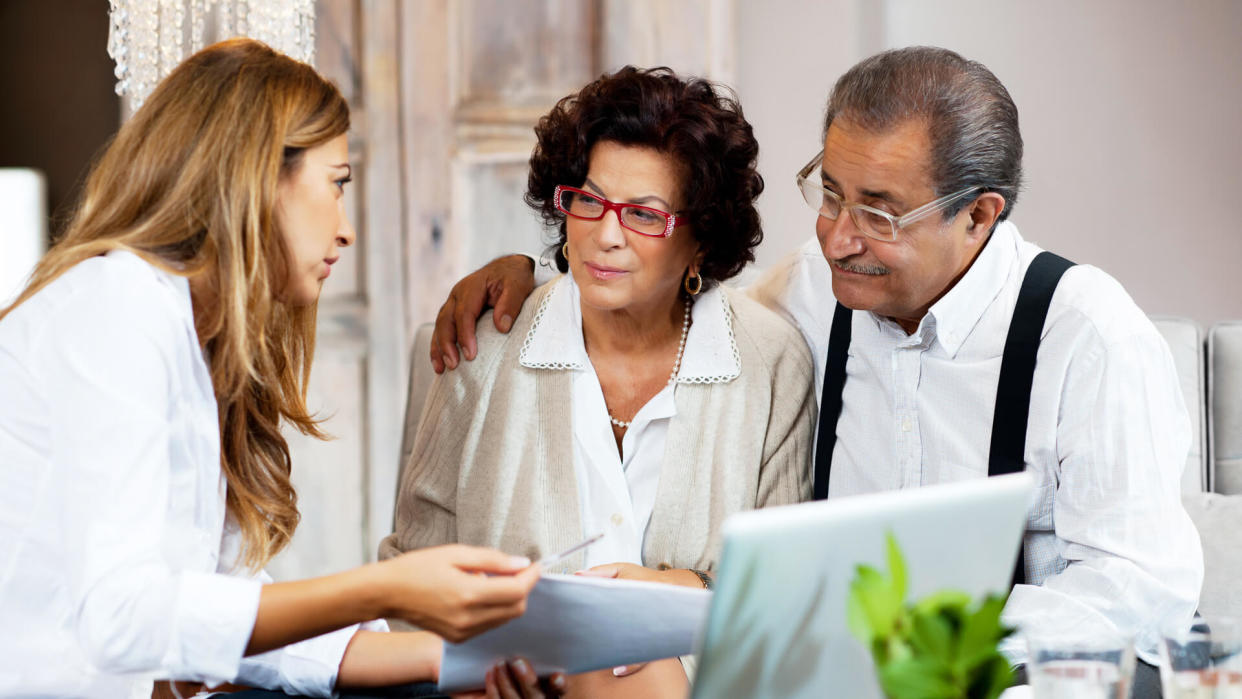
(1097, 297)
(799, 288)
(1089, 295)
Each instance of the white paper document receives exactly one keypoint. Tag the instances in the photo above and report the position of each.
(577, 624)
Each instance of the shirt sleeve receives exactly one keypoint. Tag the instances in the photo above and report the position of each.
(308, 668)
(109, 366)
(1133, 557)
(305, 669)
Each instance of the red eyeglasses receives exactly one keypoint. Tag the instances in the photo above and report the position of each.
(643, 220)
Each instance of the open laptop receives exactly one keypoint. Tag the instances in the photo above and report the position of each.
(777, 624)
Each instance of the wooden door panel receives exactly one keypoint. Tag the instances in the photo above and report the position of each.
(493, 217)
(512, 60)
(693, 37)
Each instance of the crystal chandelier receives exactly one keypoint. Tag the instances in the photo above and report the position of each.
(147, 38)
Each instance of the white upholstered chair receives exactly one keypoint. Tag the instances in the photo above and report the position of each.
(1186, 343)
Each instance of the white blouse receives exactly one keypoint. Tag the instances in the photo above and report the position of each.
(616, 492)
(116, 559)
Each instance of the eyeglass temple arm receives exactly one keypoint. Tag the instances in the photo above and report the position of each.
(932, 207)
(806, 169)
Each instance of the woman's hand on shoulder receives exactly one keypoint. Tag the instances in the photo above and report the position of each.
(455, 591)
(503, 284)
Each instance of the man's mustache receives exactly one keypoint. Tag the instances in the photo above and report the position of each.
(846, 265)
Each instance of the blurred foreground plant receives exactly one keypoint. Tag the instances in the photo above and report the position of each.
(940, 647)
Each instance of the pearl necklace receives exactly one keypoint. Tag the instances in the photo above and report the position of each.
(681, 348)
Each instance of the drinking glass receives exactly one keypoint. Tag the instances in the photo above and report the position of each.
(1096, 667)
(1202, 660)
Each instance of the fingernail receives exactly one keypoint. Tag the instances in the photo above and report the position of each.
(618, 671)
(521, 666)
(519, 561)
(506, 321)
(558, 681)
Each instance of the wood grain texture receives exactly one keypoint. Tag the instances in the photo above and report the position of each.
(384, 229)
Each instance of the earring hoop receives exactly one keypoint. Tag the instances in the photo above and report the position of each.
(698, 284)
(565, 251)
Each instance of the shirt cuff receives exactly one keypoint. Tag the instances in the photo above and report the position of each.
(307, 668)
(215, 618)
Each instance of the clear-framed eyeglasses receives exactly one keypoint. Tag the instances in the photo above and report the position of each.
(872, 222)
(643, 220)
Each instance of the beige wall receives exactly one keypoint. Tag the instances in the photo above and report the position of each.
(1131, 113)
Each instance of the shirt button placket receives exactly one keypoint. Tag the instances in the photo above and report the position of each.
(906, 370)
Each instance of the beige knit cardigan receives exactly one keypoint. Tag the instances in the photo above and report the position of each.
(492, 463)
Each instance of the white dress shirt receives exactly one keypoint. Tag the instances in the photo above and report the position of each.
(1108, 545)
(116, 557)
(617, 491)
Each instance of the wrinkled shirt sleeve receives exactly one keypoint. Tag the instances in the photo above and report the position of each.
(114, 403)
(1133, 556)
(307, 668)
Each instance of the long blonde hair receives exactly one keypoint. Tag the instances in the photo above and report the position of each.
(189, 184)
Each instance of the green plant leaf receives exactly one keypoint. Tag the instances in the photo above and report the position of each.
(981, 632)
(896, 649)
(943, 646)
(856, 617)
(943, 599)
(932, 636)
(991, 678)
(896, 568)
(917, 678)
(874, 597)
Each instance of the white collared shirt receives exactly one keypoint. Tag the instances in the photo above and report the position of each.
(617, 492)
(1109, 545)
(116, 556)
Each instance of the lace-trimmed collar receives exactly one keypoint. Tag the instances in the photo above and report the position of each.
(555, 337)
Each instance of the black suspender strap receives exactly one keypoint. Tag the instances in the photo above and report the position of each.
(830, 399)
(1013, 391)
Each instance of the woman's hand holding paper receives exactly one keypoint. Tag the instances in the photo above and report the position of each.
(455, 591)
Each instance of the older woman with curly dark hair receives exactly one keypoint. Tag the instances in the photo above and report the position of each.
(635, 395)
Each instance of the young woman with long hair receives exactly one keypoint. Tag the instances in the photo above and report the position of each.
(145, 372)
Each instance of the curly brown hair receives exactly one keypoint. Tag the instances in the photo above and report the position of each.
(695, 122)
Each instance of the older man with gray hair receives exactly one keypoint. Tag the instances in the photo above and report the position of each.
(948, 347)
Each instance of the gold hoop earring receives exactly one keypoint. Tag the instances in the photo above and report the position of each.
(698, 284)
(565, 251)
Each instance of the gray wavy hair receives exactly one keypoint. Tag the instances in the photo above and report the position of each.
(971, 119)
